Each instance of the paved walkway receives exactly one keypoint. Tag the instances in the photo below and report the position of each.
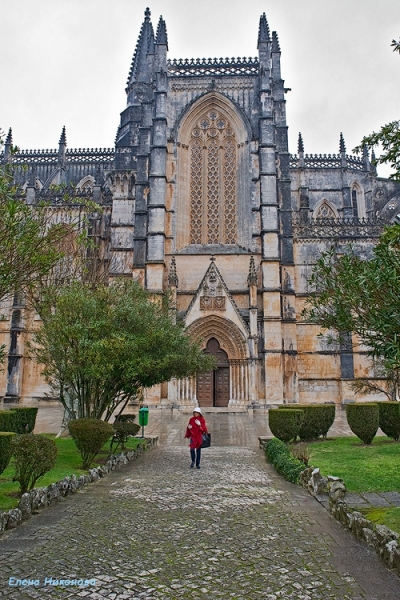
(159, 530)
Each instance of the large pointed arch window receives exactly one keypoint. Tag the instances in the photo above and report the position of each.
(213, 187)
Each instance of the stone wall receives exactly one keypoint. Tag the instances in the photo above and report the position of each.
(331, 492)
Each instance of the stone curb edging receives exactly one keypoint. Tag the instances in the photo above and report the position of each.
(38, 499)
(331, 492)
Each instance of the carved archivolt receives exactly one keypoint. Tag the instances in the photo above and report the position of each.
(227, 333)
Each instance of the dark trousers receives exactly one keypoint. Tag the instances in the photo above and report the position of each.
(195, 455)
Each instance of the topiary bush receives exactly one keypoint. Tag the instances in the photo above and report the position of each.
(33, 456)
(279, 455)
(24, 418)
(89, 436)
(363, 420)
(124, 428)
(325, 415)
(7, 420)
(318, 418)
(389, 419)
(285, 424)
(5, 448)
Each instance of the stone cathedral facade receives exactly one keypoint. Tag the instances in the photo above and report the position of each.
(202, 195)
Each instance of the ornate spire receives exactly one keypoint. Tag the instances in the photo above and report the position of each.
(275, 42)
(173, 277)
(63, 138)
(62, 146)
(263, 30)
(300, 144)
(144, 46)
(9, 137)
(162, 36)
(342, 145)
(373, 160)
(8, 145)
(252, 277)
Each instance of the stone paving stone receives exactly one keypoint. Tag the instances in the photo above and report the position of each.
(157, 530)
(356, 500)
(376, 500)
(392, 497)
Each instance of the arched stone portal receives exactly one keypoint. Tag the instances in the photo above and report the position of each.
(213, 387)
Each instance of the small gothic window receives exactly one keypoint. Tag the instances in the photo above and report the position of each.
(213, 212)
(354, 201)
(325, 212)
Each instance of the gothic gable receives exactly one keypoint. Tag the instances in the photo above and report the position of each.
(214, 299)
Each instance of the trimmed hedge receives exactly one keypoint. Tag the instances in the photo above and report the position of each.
(89, 435)
(7, 420)
(389, 419)
(284, 462)
(33, 455)
(318, 419)
(363, 420)
(24, 418)
(5, 448)
(285, 424)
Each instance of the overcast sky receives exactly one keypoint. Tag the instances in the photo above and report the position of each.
(65, 62)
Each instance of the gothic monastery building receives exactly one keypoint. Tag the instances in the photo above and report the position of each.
(201, 195)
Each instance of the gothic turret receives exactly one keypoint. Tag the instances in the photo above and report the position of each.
(139, 70)
(263, 31)
(139, 92)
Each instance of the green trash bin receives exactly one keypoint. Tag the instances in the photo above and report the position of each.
(143, 417)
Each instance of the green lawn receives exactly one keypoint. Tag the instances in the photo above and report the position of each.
(384, 516)
(69, 462)
(364, 468)
(372, 468)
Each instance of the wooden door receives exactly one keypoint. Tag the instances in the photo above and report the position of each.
(213, 386)
(221, 379)
(205, 388)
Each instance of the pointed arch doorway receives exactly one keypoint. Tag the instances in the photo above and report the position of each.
(213, 386)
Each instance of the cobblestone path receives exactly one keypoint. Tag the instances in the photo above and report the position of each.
(159, 530)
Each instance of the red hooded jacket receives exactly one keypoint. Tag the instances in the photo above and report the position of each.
(194, 431)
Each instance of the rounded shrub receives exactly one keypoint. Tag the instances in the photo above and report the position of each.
(6, 448)
(124, 427)
(284, 462)
(318, 419)
(363, 420)
(89, 436)
(24, 418)
(285, 424)
(7, 420)
(34, 455)
(389, 419)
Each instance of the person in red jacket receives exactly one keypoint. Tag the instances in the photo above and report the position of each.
(194, 431)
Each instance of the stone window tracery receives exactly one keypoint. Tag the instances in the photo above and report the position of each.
(325, 211)
(213, 204)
